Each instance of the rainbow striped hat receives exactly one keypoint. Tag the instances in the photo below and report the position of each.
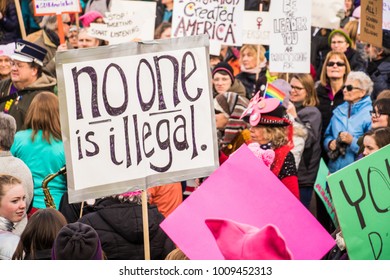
(273, 92)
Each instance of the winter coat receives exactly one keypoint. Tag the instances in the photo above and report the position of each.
(310, 160)
(326, 105)
(358, 123)
(120, 229)
(9, 25)
(8, 244)
(250, 83)
(380, 75)
(19, 107)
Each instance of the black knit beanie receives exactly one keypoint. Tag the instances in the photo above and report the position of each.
(77, 241)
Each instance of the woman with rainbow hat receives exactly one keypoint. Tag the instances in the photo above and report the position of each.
(271, 128)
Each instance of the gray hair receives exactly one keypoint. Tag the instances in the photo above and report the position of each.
(7, 131)
(364, 80)
(50, 21)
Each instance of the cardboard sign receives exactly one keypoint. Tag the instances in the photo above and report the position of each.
(371, 22)
(361, 195)
(220, 20)
(257, 28)
(50, 7)
(321, 189)
(290, 36)
(128, 20)
(121, 27)
(243, 189)
(136, 115)
(386, 15)
(324, 13)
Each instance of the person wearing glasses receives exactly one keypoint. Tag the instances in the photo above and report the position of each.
(350, 120)
(329, 88)
(303, 108)
(27, 80)
(49, 39)
(379, 118)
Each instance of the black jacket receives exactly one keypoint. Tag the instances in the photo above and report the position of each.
(327, 106)
(9, 25)
(120, 229)
(380, 75)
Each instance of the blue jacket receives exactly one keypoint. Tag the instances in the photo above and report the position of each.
(356, 124)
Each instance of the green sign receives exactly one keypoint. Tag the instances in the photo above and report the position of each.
(320, 187)
(361, 196)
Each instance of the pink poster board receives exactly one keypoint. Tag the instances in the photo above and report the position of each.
(245, 190)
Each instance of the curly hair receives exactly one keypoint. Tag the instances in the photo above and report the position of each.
(276, 135)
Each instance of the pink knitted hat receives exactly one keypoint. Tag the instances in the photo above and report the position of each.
(238, 241)
(90, 17)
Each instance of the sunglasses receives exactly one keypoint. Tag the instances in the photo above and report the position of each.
(332, 63)
(350, 87)
(67, 23)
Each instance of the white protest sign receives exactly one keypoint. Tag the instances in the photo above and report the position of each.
(386, 15)
(47, 7)
(324, 13)
(290, 37)
(221, 20)
(256, 28)
(127, 20)
(136, 115)
(215, 47)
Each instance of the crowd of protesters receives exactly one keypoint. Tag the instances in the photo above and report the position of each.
(339, 112)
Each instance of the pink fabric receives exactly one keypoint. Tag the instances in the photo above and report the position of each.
(257, 106)
(267, 156)
(239, 241)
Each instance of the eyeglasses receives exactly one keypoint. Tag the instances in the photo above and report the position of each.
(333, 63)
(297, 88)
(376, 114)
(18, 64)
(350, 87)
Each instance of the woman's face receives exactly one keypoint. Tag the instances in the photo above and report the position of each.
(5, 65)
(221, 82)
(13, 203)
(298, 92)
(335, 68)
(379, 120)
(338, 43)
(248, 59)
(258, 134)
(166, 34)
(348, 5)
(352, 91)
(370, 145)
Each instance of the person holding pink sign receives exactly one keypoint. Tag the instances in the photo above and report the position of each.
(272, 129)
